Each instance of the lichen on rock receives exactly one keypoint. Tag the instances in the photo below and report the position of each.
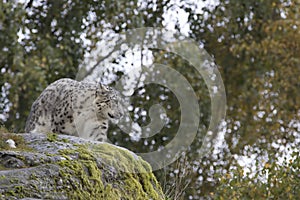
(65, 167)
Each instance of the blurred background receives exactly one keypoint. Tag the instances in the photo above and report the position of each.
(255, 43)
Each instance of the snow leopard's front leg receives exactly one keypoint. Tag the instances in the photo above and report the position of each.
(90, 127)
(94, 130)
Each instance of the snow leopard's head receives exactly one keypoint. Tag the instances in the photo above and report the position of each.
(108, 103)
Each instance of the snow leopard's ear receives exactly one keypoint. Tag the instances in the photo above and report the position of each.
(103, 87)
(101, 90)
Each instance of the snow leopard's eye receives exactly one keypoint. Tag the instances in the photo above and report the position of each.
(101, 93)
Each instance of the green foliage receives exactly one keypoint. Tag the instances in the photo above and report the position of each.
(256, 47)
(277, 180)
(256, 43)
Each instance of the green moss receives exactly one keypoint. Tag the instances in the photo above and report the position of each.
(65, 140)
(95, 184)
(52, 137)
(3, 129)
(137, 172)
(50, 154)
(88, 184)
(2, 168)
(10, 193)
(17, 191)
(14, 181)
(33, 176)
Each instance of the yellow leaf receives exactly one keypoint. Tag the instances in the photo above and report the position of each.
(267, 165)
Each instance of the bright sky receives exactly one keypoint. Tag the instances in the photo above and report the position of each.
(175, 13)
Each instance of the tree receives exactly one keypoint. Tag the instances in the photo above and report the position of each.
(255, 45)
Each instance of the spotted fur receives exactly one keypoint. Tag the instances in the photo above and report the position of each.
(70, 107)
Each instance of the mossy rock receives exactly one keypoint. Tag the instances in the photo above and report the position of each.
(65, 167)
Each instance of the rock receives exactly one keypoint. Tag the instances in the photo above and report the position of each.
(64, 167)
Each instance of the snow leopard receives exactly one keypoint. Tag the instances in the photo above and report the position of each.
(70, 107)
